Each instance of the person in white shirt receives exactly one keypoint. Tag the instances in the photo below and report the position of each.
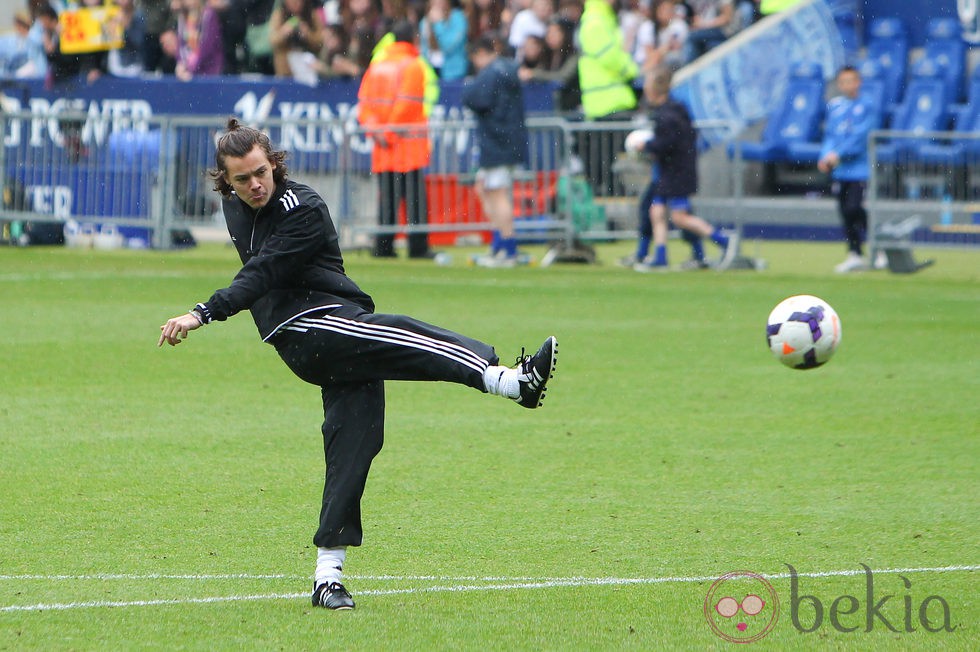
(661, 39)
(713, 22)
(631, 15)
(532, 21)
(22, 56)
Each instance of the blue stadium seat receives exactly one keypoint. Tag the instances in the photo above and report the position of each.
(801, 153)
(874, 87)
(966, 120)
(961, 112)
(945, 52)
(924, 108)
(887, 28)
(846, 21)
(796, 119)
(888, 48)
(943, 29)
(874, 90)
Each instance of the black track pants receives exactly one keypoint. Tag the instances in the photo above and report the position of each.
(393, 187)
(850, 200)
(349, 353)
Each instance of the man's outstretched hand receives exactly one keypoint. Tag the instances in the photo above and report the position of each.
(177, 328)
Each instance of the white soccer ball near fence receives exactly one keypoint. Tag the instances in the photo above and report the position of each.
(637, 139)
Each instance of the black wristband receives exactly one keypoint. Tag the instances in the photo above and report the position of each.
(205, 313)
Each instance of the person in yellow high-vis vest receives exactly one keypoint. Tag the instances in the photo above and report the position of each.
(767, 7)
(606, 72)
(432, 90)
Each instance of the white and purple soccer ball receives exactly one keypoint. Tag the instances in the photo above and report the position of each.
(803, 331)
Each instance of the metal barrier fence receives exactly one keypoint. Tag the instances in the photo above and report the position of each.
(146, 180)
(107, 180)
(454, 212)
(143, 181)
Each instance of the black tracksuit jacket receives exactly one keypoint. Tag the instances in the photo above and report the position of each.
(291, 259)
(675, 145)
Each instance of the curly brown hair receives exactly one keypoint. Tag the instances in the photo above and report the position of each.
(237, 141)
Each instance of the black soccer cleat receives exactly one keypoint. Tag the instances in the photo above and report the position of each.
(534, 372)
(332, 596)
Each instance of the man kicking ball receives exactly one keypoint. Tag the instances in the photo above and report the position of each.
(325, 329)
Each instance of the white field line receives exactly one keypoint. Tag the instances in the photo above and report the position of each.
(485, 584)
(20, 277)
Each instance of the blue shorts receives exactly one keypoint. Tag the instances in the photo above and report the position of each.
(675, 203)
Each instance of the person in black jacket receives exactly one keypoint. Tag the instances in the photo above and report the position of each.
(674, 148)
(324, 328)
(496, 97)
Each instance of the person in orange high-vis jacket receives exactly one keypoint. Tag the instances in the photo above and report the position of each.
(391, 109)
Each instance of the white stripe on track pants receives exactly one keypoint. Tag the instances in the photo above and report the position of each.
(349, 353)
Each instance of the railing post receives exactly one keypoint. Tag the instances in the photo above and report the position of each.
(165, 188)
(872, 196)
(565, 167)
(3, 165)
(344, 169)
(738, 187)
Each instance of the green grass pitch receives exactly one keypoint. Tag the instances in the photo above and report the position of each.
(166, 498)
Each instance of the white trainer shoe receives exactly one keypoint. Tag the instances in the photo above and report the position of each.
(852, 263)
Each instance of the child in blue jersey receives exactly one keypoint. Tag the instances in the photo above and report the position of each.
(674, 146)
(844, 155)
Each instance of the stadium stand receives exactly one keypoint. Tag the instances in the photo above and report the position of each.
(944, 54)
(874, 90)
(874, 87)
(923, 109)
(966, 120)
(922, 112)
(846, 20)
(795, 120)
(953, 158)
(792, 129)
(888, 48)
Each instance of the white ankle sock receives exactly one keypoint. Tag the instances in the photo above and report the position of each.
(329, 565)
(501, 381)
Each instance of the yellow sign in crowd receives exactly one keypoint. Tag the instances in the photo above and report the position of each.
(90, 29)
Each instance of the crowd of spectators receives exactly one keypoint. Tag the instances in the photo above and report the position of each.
(336, 38)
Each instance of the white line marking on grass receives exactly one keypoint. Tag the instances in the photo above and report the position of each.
(150, 576)
(494, 584)
(465, 578)
(17, 277)
(882, 571)
(279, 576)
(151, 603)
